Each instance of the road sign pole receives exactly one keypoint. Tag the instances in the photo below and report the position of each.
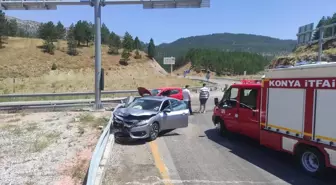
(97, 20)
(171, 69)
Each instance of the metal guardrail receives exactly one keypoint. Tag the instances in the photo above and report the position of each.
(99, 151)
(46, 105)
(76, 93)
(64, 94)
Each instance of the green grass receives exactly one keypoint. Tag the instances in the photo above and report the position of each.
(87, 120)
(7, 127)
(14, 120)
(43, 141)
(32, 127)
(331, 51)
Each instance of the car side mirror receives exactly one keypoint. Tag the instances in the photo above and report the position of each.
(166, 110)
(216, 101)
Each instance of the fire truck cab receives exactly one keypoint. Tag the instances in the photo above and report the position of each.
(292, 110)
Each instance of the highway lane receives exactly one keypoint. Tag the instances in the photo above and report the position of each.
(197, 155)
(220, 81)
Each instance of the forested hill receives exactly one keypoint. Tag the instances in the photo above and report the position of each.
(263, 45)
(222, 62)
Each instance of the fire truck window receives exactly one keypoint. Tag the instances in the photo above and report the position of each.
(231, 97)
(234, 93)
(248, 97)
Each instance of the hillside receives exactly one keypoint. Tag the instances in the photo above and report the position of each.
(308, 53)
(266, 46)
(25, 68)
(27, 27)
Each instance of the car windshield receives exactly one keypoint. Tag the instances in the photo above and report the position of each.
(144, 104)
(155, 92)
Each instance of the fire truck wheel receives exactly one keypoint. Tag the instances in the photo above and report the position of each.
(312, 161)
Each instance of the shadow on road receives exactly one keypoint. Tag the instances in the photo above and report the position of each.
(279, 164)
(129, 141)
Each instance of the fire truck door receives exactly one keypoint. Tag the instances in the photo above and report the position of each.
(248, 112)
(229, 110)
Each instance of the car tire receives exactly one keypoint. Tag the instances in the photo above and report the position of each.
(154, 131)
(119, 140)
(311, 161)
(222, 131)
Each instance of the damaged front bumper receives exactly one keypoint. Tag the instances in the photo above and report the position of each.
(132, 131)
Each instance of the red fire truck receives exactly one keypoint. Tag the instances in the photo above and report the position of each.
(292, 110)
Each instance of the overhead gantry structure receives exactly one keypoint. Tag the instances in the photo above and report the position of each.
(97, 4)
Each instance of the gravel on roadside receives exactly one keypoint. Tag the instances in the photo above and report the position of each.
(48, 147)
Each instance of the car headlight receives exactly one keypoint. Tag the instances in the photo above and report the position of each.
(141, 122)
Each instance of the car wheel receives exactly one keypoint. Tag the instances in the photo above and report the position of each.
(154, 131)
(221, 128)
(312, 161)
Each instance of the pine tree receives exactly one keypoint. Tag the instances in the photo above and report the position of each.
(48, 46)
(83, 32)
(137, 44)
(137, 54)
(47, 31)
(128, 42)
(89, 31)
(125, 55)
(105, 34)
(60, 30)
(12, 28)
(114, 44)
(321, 23)
(115, 40)
(3, 29)
(151, 49)
(72, 45)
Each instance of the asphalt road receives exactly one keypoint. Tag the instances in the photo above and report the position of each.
(197, 155)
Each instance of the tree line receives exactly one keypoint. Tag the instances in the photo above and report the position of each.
(79, 34)
(223, 62)
(82, 34)
(324, 21)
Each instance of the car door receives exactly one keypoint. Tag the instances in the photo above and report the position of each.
(176, 117)
(229, 109)
(180, 112)
(165, 118)
(248, 112)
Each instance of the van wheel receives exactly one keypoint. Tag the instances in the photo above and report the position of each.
(312, 161)
(221, 128)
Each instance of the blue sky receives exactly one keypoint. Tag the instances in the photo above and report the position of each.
(275, 18)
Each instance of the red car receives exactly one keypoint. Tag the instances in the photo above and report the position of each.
(173, 92)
